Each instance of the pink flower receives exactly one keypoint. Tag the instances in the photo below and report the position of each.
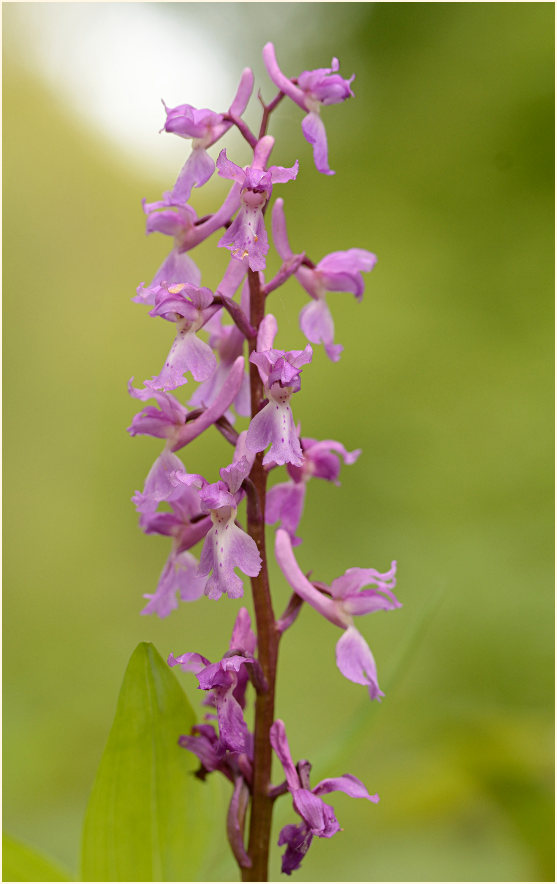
(280, 373)
(186, 305)
(226, 545)
(336, 272)
(246, 237)
(310, 91)
(204, 127)
(318, 818)
(321, 460)
(344, 599)
(227, 682)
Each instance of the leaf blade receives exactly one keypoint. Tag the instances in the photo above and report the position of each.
(23, 863)
(147, 818)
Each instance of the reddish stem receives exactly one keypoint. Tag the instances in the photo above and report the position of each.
(267, 111)
(267, 635)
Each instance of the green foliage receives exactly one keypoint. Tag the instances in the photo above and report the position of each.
(23, 863)
(145, 819)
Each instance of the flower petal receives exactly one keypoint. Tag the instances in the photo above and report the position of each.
(355, 661)
(314, 133)
(286, 502)
(298, 840)
(280, 237)
(347, 783)
(300, 584)
(317, 324)
(196, 171)
(279, 742)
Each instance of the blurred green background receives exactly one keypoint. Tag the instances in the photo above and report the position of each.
(444, 169)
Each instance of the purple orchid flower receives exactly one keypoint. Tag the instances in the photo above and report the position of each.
(318, 818)
(310, 91)
(280, 373)
(187, 524)
(336, 272)
(204, 127)
(181, 223)
(227, 681)
(160, 484)
(186, 305)
(178, 266)
(179, 575)
(247, 236)
(345, 598)
(285, 502)
(163, 422)
(226, 545)
(169, 420)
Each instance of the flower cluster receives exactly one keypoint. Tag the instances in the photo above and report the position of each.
(224, 341)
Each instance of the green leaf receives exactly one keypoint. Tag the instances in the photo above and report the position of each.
(148, 818)
(23, 863)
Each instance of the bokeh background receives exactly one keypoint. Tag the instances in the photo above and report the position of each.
(444, 169)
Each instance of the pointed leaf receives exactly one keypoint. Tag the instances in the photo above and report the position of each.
(148, 817)
(23, 863)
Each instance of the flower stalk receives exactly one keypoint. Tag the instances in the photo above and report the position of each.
(262, 803)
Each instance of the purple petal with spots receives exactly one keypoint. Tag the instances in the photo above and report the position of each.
(247, 238)
(274, 425)
(188, 353)
(228, 547)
